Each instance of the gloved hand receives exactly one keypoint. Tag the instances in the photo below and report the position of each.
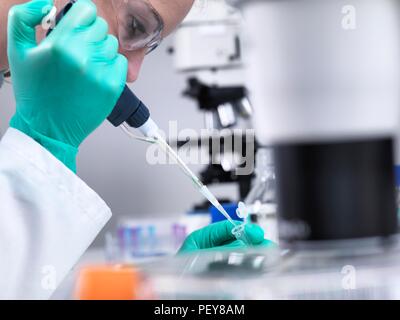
(67, 85)
(218, 236)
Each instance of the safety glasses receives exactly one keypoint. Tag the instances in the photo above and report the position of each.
(139, 25)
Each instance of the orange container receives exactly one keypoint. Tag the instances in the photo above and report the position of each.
(111, 282)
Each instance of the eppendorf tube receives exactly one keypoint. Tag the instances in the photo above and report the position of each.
(239, 231)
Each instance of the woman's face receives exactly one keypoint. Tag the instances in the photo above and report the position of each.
(172, 13)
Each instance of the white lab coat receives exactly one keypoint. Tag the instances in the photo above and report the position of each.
(48, 218)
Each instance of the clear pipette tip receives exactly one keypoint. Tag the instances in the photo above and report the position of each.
(239, 230)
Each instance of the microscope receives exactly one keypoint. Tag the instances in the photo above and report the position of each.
(208, 49)
(324, 81)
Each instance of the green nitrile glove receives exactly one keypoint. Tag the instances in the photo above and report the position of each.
(218, 236)
(67, 85)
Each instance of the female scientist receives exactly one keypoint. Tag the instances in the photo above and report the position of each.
(65, 87)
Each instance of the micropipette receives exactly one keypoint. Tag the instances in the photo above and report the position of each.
(130, 111)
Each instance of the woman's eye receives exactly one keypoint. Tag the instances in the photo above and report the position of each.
(137, 27)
